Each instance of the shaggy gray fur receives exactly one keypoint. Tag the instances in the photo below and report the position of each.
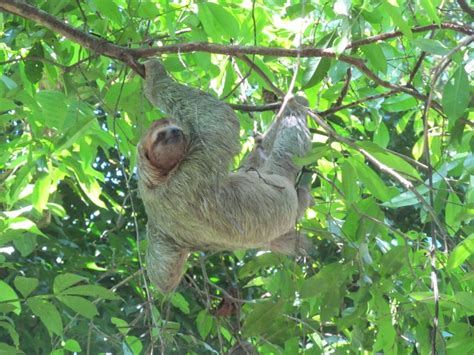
(201, 205)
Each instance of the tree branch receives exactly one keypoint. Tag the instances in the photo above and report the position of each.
(98, 45)
(389, 35)
(131, 55)
(357, 102)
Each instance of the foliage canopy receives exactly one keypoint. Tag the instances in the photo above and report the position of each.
(392, 159)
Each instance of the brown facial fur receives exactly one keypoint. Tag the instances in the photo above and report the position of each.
(164, 145)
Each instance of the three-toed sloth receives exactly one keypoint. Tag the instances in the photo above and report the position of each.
(192, 200)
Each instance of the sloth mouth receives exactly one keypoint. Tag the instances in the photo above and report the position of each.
(173, 139)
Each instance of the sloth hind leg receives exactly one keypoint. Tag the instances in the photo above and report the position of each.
(165, 264)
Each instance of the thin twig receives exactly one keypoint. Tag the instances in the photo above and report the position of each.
(465, 7)
(345, 88)
(262, 74)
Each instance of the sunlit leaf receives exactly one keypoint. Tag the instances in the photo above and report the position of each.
(392, 8)
(41, 192)
(373, 182)
(218, 21)
(135, 344)
(72, 345)
(8, 295)
(430, 8)
(462, 251)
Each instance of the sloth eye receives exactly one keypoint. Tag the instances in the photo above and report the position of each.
(160, 136)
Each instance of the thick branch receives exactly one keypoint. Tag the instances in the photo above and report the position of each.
(97, 45)
(130, 56)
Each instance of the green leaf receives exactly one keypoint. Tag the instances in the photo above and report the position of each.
(381, 135)
(47, 313)
(41, 192)
(389, 159)
(61, 282)
(8, 295)
(72, 345)
(6, 104)
(349, 185)
(460, 253)
(135, 344)
(295, 11)
(12, 333)
(315, 72)
(25, 243)
(399, 103)
(217, 21)
(34, 68)
(392, 8)
(454, 208)
(109, 9)
(75, 133)
(324, 281)
(92, 291)
(121, 325)
(373, 182)
(53, 106)
(431, 46)
(316, 153)
(25, 285)
(376, 57)
(6, 349)
(148, 10)
(204, 323)
(466, 300)
(456, 95)
(180, 302)
(80, 305)
(24, 224)
(430, 9)
(261, 316)
(393, 260)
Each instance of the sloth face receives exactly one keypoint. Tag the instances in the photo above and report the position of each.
(165, 145)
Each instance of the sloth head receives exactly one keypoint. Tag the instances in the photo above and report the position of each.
(164, 145)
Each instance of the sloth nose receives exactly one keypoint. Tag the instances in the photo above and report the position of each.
(174, 132)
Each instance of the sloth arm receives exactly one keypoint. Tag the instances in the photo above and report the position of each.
(211, 125)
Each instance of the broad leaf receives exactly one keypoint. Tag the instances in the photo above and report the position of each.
(47, 313)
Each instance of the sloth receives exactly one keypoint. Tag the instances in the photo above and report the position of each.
(193, 201)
